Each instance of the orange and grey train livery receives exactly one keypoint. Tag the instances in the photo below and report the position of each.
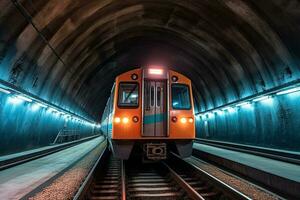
(150, 112)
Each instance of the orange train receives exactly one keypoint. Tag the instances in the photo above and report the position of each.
(150, 112)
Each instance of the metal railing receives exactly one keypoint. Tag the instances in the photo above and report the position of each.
(67, 136)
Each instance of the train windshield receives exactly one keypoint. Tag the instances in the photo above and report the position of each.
(181, 97)
(128, 95)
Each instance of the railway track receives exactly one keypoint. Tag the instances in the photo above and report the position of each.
(151, 181)
(172, 179)
(109, 185)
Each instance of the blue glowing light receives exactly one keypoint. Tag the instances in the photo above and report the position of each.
(263, 98)
(292, 90)
(243, 104)
(229, 109)
(220, 112)
(209, 115)
(247, 106)
(4, 91)
(15, 100)
(267, 100)
(17, 97)
(52, 110)
(24, 98)
(42, 105)
(56, 113)
(35, 107)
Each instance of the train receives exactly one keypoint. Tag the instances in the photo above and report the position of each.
(150, 112)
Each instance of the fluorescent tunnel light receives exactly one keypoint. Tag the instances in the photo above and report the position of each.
(42, 105)
(18, 97)
(24, 98)
(4, 91)
(288, 91)
(15, 100)
(261, 98)
(242, 104)
(52, 110)
(35, 107)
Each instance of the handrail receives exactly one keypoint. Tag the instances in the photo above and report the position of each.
(67, 133)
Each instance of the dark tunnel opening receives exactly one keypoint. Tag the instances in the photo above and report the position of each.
(69, 53)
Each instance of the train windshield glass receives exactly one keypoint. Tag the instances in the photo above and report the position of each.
(181, 97)
(128, 95)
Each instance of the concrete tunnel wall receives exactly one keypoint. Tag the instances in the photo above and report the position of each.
(273, 123)
(24, 128)
(21, 127)
(68, 53)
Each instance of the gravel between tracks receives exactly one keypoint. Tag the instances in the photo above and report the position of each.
(239, 184)
(66, 186)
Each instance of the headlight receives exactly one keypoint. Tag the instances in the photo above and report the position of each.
(125, 120)
(183, 120)
(117, 120)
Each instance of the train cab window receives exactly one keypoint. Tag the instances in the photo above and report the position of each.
(128, 95)
(181, 97)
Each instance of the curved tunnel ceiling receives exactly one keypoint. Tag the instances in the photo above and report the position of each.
(70, 51)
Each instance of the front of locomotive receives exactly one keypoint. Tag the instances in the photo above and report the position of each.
(153, 113)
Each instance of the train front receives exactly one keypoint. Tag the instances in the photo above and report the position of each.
(153, 114)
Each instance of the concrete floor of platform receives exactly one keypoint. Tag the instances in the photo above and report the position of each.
(279, 168)
(17, 181)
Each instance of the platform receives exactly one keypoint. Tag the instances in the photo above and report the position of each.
(277, 174)
(17, 181)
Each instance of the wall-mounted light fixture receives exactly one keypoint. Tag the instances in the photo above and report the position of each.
(291, 90)
(18, 96)
(264, 97)
(4, 91)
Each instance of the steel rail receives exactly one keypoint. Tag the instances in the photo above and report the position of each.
(123, 177)
(82, 191)
(191, 192)
(227, 189)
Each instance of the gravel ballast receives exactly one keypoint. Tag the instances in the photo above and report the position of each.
(243, 186)
(66, 185)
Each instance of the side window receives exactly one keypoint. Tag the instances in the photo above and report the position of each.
(128, 95)
(181, 97)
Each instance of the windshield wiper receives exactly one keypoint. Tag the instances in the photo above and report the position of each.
(131, 91)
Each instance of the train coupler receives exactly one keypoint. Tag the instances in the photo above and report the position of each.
(155, 151)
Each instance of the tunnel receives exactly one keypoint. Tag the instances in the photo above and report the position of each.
(59, 61)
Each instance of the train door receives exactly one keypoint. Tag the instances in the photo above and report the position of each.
(155, 111)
